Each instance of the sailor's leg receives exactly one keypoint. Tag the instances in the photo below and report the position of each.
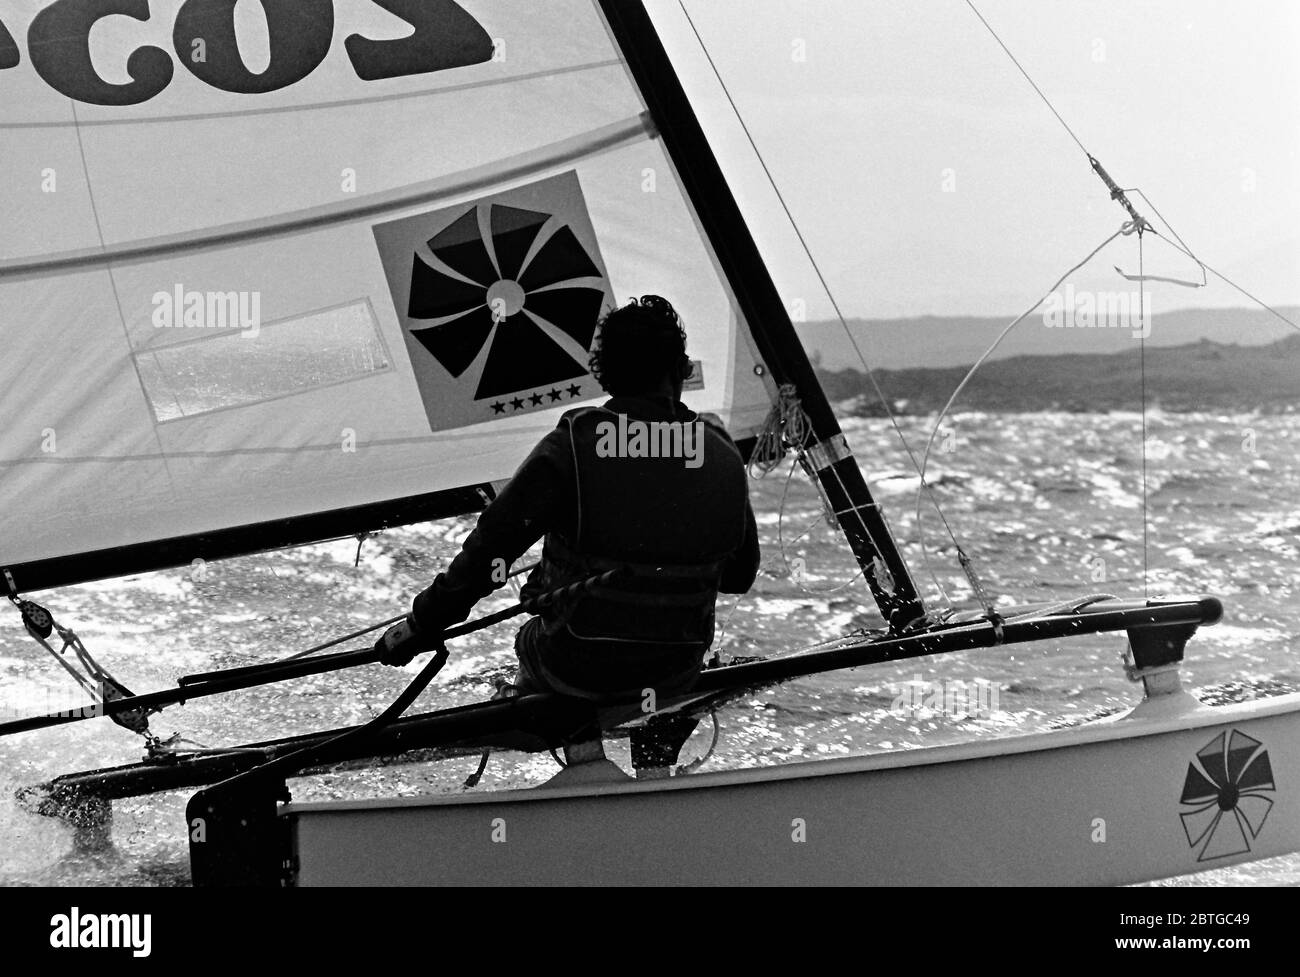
(585, 762)
(528, 642)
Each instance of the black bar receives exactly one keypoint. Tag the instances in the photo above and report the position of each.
(1101, 930)
(770, 325)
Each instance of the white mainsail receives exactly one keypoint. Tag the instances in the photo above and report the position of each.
(376, 281)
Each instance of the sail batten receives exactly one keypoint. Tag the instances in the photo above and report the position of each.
(430, 192)
(351, 103)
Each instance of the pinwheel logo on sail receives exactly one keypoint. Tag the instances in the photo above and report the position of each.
(1225, 796)
(500, 301)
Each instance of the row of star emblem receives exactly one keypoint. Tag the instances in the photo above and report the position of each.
(536, 400)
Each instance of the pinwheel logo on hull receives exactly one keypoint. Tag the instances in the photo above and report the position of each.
(500, 300)
(1225, 796)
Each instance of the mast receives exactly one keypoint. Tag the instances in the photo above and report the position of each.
(827, 453)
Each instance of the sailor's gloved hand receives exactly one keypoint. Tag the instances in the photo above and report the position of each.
(402, 642)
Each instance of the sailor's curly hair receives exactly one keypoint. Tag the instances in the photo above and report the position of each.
(638, 345)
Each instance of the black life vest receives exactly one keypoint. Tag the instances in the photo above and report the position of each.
(670, 505)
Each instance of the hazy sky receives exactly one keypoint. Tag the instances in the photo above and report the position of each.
(1195, 101)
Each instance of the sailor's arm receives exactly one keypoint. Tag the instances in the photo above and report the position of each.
(513, 522)
(741, 568)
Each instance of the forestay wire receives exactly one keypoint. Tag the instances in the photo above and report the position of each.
(839, 316)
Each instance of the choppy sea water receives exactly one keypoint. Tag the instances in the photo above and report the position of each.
(1049, 505)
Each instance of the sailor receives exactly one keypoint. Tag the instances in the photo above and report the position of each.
(641, 482)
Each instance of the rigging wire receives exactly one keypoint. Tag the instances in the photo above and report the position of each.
(1186, 250)
(375, 627)
(781, 543)
(1142, 360)
(788, 424)
(839, 315)
(1183, 248)
(1138, 224)
(1128, 228)
(1046, 101)
(40, 625)
(768, 564)
(1228, 281)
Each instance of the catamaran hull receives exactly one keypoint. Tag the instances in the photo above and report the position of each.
(1171, 789)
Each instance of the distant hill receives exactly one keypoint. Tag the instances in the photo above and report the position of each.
(939, 341)
(1196, 376)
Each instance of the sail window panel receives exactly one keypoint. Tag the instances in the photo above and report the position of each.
(239, 368)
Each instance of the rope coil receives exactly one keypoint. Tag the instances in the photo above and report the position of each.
(786, 426)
